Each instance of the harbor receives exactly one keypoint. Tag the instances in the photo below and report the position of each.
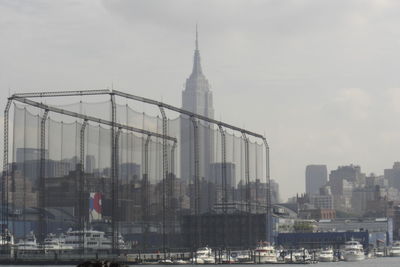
(264, 253)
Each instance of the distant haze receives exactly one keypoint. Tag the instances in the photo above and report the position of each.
(320, 78)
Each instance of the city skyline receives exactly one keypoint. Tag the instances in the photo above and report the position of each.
(318, 78)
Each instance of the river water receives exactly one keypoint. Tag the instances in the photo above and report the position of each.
(377, 262)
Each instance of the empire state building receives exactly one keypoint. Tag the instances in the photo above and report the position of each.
(198, 99)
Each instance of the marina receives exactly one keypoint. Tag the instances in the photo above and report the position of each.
(56, 252)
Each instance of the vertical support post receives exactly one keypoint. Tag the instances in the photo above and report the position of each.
(42, 179)
(171, 192)
(116, 184)
(113, 176)
(247, 172)
(165, 174)
(5, 178)
(197, 235)
(224, 183)
(81, 185)
(248, 190)
(269, 201)
(223, 170)
(145, 193)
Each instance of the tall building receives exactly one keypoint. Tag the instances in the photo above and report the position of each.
(196, 98)
(316, 177)
(393, 175)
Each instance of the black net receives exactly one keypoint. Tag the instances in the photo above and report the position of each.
(153, 191)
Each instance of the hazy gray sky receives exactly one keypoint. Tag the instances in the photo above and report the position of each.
(320, 78)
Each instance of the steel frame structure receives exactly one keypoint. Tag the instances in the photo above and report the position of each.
(23, 97)
(80, 182)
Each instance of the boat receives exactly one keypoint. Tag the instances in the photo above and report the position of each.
(203, 256)
(298, 256)
(6, 239)
(7, 243)
(242, 257)
(395, 249)
(166, 262)
(353, 251)
(379, 253)
(180, 261)
(265, 253)
(91, 240)
(52, 243)
(326, 255)
(28, 245)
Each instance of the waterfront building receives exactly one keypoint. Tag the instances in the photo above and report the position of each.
(382, 228)
(317, 240)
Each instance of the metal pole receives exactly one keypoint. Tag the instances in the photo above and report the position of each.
(145, 192)
(113, 178)
(224, 183)
(165, 173)
(4, 193)
(247, 172)
(81, 189)
(42, 179)
(223, 168)
(269, 201)
(116, 185)
(248, 192)
(196, 182)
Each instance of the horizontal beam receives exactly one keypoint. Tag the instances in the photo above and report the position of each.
(89, 118)
(137, 98)
(62, 93)
(188, 113)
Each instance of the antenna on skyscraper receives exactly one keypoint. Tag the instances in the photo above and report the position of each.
(197, 38)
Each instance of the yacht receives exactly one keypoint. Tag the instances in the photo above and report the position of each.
(6, 239)
(395, 249)
(353, 251)
(91, 240)
(28, 245)
(53, 243)
(298, 256)
(326, 255)
(203, 255)
(265, 253)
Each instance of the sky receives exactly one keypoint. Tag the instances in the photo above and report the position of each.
(318, 77)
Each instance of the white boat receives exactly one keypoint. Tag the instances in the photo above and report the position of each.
(179, 262)
(6, 239)
(242, 257)
(91, 240)
(379, 253)
(395, 249)
(298, 256)
(353, 251)
(265, 253)
(28, 245)
(203, 255)
(56, 244)
(326, 255)
(166, 262)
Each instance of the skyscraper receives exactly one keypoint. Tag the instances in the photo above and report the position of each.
(316, 177)
(196, 98)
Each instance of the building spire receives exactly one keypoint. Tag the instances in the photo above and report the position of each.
(196, 61)
(197, 39)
